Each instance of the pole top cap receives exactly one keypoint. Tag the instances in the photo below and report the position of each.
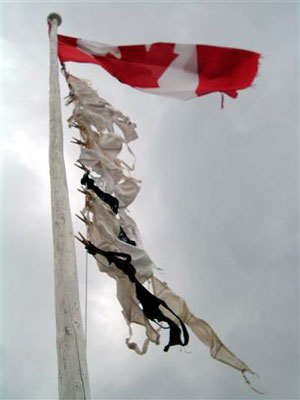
(53, 16)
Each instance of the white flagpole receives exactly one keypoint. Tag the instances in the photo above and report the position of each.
(73, 379)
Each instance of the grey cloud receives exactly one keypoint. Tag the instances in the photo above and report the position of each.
(217, 209)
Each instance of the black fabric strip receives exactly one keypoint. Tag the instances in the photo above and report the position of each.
(108, 198)
(149, 302)
(122, 236)
(112, 201)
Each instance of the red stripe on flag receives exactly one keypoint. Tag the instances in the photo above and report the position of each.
(68, 51)
(225, 70)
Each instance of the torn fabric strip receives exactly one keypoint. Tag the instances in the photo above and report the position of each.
(113, 236)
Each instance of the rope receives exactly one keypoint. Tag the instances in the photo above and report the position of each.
(86, 296)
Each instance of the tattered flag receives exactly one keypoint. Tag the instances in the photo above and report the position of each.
(175, 70)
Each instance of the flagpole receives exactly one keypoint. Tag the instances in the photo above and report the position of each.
(73, 381)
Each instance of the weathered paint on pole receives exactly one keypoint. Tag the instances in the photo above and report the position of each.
(73, 379)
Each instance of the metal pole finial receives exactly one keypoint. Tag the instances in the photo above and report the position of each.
(53, 16)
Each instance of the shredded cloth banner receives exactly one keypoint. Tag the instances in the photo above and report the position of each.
(175, 70)
(113, 236)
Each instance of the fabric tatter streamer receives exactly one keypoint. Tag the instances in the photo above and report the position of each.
(113, 236)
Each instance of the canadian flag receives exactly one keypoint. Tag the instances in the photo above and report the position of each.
(176, 70)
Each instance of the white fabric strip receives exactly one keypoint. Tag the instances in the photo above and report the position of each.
(100, 150)
(96, 118)
(200, 328)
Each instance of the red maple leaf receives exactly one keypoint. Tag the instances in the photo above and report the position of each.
(138, 66)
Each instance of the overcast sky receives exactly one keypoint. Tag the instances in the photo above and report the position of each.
(218, 209)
